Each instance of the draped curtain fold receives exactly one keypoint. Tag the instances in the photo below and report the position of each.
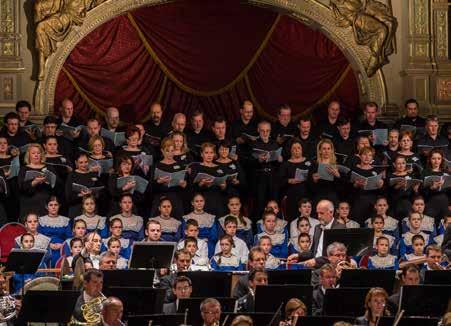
(208, 55)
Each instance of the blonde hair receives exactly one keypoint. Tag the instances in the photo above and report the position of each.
(181, 134)
(166, 142)
(92, 141)
(294, 304)
(333, 158)
(26, 158)
(241, 319)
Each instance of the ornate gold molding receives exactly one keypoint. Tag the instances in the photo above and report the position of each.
(317, 14)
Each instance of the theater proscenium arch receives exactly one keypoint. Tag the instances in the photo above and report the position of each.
(85, 16)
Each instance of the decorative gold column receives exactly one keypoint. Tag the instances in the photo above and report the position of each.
(428, 71)
(11, 64)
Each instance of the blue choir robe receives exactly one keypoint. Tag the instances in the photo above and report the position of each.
(405, 244)
(94, 223)
(221, 263)
(171, 229)
(126, 247)
(409, 257)
(441, 227)
(57, 229)
(208, 228)
(427, 225)
(392, 242)
(281, 226)
(133, 227)
(239, 249)
(121, 263)
(279, 243)
(273, 263)
(243, 230)
(386, 262)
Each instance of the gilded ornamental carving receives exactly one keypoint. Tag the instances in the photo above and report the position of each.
(373, 25)
(54, 20)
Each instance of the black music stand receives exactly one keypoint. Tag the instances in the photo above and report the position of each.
(24, 261)
(359, 242)
(425, 300)
(345, 302)
(368, 278)
(47, 307)
(157, 319)
(127, 278)
(259, 318)
(139, 300)
(152, 255)
(322, 320)
(269, 298)
(209, 284)
(409, 321)
(299, 277)
(437, 277)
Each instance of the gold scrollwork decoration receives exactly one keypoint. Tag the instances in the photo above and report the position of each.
(373, 25)
(54, 20)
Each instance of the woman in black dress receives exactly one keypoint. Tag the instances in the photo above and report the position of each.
(34, 192)
(9, 169)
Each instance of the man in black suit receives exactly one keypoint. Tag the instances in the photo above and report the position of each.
(92, 288)
(247, 303)
(182, 289)
(325, 212)
(328, 280)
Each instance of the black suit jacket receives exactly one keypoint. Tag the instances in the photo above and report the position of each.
(317, 302)
(170, 308)
(317, 235)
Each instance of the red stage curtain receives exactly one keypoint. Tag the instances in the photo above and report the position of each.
(208, 55)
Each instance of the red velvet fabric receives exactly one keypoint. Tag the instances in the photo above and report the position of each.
(203, 47)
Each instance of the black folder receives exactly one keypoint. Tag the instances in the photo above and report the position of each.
(368, 278)
(425, 300)
(345, 302)
(269, 298)
(300, 277)
(210, 284)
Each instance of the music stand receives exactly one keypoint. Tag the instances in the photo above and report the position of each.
(345, 302)
(368, 278)
(219, 284)
(299, 277)
(259, 318)
(152, 255)
(269, 298)
(322, 320)
(157, 319)
(437, 277)
(127, 278)
(24, 261)
(359, 242)
(47, 307)
(425, 300)
(139, 300)
(409, 321)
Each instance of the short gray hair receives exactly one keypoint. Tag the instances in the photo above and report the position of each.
(335, 246)
(327, 203)
(208, 301)
(107, 254)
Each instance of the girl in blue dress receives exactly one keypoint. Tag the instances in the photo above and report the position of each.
(93, 221)
(133, 225)
(56, 227)
(279, 241)
(170, 227)
(244, 228)
(78, 231)
(116, 232)
(226, 261)
(383, 259)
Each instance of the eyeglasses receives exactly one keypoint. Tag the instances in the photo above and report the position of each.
(183, 289)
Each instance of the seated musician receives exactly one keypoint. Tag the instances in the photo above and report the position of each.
(383, 259)
(327, 280)
(182, 289)
(19, 281)
(92, 289)
(256, 260)
(375, 307)
(226, 260)
(294, 309)
(182, 261)
(4, 292)
(410, 275)
(108, 261)
(210, 310)
(434, 261)
(112, 310)
(247, 302)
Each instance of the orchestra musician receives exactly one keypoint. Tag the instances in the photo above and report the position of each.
(210, 310)
(375, 307)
